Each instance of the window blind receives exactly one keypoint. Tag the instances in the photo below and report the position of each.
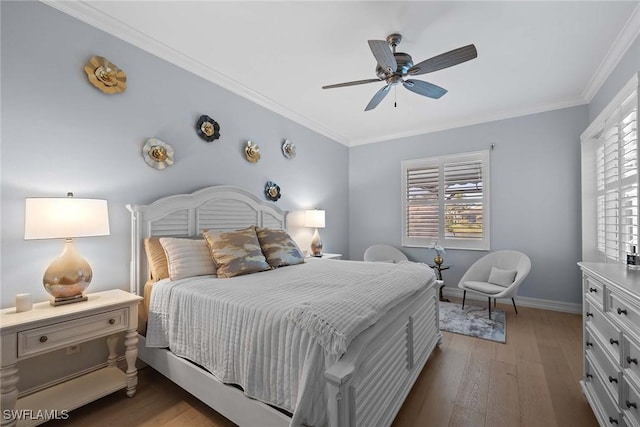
(617, 181)
(446, 199)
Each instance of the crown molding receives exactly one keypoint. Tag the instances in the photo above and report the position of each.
(474, 120)
(86, 13)
(620, 46)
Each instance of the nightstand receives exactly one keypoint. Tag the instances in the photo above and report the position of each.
(324, 256)
(46, 328)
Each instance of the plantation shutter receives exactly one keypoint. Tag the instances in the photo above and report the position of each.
(617, 181)
(445, 199)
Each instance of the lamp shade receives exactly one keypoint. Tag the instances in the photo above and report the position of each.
(65, 217)
(314, 218)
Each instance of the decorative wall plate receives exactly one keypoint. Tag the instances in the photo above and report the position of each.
(272, 191)
(105, 76)
(157, 154)
(207, 128)
(252, 152)
(288, 149)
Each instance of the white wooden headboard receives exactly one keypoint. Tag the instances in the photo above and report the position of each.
(220, 207)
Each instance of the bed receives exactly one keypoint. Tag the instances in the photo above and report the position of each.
(363, 383)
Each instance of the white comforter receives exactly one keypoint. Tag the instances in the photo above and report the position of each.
(274, 333)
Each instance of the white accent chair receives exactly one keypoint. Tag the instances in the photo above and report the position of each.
(496, 275)
(384, 253)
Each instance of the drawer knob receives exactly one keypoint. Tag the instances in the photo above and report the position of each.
(622, 311)
(589, 314)
(589, 376)
(112, 321)
(593, 290)
(631, 405)
(613, 420)
(43, 338)
(630, 360)
(589, 344)
(612, 341)
(613, 380)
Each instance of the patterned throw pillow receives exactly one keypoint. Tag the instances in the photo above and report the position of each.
(187, 257)
(236, 252)
(279, 248)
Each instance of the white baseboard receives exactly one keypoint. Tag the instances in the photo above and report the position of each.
(565, 307)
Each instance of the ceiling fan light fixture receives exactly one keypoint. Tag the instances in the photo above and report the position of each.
(394, 66)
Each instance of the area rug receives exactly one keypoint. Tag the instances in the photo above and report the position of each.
(473, 321)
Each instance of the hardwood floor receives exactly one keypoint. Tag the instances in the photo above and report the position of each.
(532, 380)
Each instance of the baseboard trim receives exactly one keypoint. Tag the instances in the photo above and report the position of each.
(565, 307)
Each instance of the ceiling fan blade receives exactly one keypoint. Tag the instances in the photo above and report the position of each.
(424, 88)
(384, 56)
(379, 96)
(353, 83)
(445, 60)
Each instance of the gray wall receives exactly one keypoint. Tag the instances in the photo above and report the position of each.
(534, 195)
(61, 134)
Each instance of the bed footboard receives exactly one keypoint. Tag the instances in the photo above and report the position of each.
(369, 384)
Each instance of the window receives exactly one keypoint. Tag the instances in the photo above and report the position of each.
(617, 182)
(610, 215)
(446, 199)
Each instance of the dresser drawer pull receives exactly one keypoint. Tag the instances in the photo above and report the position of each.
(589, 314)
(613, 420)
(612, 341)
(613, 380)
(589, 376)
(631, 405)
(593, 290)
(589, 344)
(112, 321)
(630, 360)
(43, 338)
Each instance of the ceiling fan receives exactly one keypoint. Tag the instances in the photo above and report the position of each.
(394, 66)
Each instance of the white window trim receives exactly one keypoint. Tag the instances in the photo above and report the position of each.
(480, 244)
(589, 143)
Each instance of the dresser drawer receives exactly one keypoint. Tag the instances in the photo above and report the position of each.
(631, 403)
(607, 410)
(624, 312)
(608, 332)
(47, 338)
(631, 360)
(595, 289)
(610, 371)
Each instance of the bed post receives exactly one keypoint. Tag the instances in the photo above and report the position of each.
(134, 270)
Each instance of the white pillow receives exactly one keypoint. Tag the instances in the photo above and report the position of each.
(502, 277)
(187, 257)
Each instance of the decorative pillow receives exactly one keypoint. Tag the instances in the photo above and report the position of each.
(501, 277)
(279, 248)
(187, 257)
(236, 252)
(156, 258)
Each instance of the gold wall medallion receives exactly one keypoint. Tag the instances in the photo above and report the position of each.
(157, 154)
(105, 75)
(252, 152)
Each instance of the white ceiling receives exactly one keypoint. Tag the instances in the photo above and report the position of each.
(532, 56)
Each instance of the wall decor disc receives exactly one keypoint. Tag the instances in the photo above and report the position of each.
(252, 152)
(288, 149)
(272, 191)
(207, 128)
(157, 154)
(105, 75)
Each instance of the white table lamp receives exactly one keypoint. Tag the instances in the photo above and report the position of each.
(64, 218)
(315, 218)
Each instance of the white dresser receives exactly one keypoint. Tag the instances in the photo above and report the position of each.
(611, 340)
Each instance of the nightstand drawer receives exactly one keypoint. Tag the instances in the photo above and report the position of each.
(47, 338)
